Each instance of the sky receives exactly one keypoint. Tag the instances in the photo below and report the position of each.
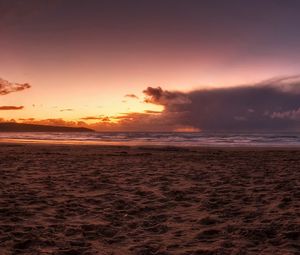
(151, 65)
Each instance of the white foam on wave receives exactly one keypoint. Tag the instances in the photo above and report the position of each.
(169, 139)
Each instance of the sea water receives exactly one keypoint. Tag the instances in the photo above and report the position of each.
(207, 139)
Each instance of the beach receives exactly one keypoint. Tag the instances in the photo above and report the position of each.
(76, 199)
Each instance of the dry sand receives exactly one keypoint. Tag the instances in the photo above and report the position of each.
(117, 200)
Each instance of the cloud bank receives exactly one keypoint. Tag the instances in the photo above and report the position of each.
(269, 105)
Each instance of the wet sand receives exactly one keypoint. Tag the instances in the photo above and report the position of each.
(143, 201)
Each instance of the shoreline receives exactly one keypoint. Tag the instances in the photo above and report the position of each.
(145, 145)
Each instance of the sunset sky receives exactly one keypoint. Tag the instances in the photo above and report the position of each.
(70, 61)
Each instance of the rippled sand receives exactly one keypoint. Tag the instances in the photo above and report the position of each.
(118, 200)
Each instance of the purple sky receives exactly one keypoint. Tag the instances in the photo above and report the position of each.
(85, 56)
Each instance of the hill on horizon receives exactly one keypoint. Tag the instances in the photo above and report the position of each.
(22, 127)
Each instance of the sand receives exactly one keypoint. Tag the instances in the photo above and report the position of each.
(142, 201)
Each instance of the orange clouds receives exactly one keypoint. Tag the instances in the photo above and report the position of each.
(53, 122)
(104, 119)
(7, 87)
(125, 122)
(5, 108)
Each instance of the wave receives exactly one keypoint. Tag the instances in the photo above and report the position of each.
(169, 139)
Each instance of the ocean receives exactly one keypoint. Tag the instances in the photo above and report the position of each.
(202, 139)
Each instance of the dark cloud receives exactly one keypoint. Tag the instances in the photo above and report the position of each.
(7, 87)
(6, 108)
(164, 97)
(270, 105)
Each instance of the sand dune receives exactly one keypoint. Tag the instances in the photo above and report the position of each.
(145, 201)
